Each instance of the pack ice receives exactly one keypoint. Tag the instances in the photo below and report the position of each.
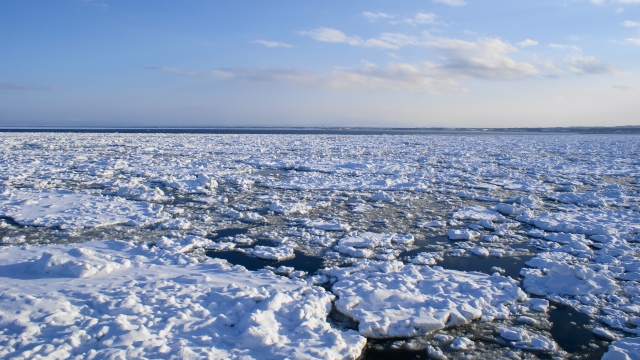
(573, 199)
(114, 299)
(67, 209)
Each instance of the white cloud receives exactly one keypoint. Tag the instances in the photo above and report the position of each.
(527, 42)
(420, 19)
(386, 40)
(271, 44)
(634, 41)
(589, 65)
(451, 2)
(550, 65)
(485, 59)
(619, 10)
(625, 87)
(564, 47)
(331, 35)
(375, 16)
(396, 76)
(629, 23)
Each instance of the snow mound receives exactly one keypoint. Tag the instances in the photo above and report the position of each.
(185, 244)
(78, 262)
(390, 299)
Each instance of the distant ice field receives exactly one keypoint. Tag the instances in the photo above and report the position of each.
(255, 246)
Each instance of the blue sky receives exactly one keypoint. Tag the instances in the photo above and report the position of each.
(238, 63)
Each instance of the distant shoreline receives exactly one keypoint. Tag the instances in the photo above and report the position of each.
(618, 130)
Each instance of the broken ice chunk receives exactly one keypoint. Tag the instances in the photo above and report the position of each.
(463, 234)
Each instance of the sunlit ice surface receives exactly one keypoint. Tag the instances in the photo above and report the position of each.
(325, 246)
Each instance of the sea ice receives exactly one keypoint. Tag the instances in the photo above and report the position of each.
(463, 234)
(560, 278)
(390, 299)
(625, 349)
(69, 209)
(477, 213)
(112, 299)
(289, 208)
(277, 253)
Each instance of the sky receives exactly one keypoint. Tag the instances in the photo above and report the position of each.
(402, 63)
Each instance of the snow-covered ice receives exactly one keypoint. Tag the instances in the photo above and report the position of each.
(119, 300)
(571, 203)
(390, 299)
(625, 349)
(70, 209)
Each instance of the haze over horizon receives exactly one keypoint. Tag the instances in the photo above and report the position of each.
(428, 63)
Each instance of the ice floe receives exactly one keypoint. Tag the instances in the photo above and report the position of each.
(390, 299)
(625, 349)
(69, 209)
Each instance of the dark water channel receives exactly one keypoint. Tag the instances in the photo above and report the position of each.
(571, 333)
(570, 328)
(310, 264)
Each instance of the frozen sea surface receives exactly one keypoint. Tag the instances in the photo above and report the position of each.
(322, 246)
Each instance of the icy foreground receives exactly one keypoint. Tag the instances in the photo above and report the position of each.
(119, 300)
(555, 219)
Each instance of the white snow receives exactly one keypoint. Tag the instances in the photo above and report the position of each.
(462, 234)
(382, 196)
(477, 213)
(277, 253)
(604, 333)
(289, 208)
(69, 210)
(390, 299)
(574, 197)
(625, 349)
(560, 278)
(366, 240)
(114, 299)
(332, 225)
(462, 343)
(433, 224)
(523, 339)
